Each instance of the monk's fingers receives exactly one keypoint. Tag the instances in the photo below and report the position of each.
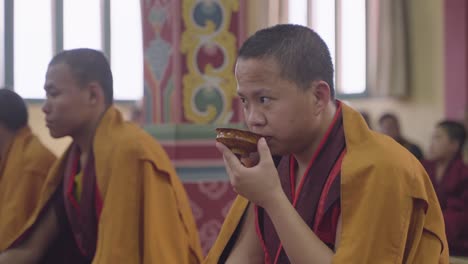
(232, 162)
(264, 151)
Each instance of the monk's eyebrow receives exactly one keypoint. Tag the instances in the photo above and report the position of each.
(257, 92)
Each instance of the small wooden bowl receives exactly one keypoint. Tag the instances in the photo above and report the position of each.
(240, 142)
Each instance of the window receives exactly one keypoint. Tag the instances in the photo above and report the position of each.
(82, 24)
(351, 63)
(111, 26)
(127, 49)
(32, 46)
(342, 25)
(297, 12)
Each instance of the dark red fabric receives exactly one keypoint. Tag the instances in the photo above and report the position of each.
(307, 199)
(82, 215)
(65, 249)
(452, 192)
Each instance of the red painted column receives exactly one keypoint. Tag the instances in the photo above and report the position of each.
(190, 49)
(456, 57)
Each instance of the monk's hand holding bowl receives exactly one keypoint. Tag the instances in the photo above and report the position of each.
(260, 184)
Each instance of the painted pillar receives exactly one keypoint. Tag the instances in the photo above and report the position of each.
(190, 49)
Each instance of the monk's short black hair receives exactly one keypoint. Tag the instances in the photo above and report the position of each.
(13, 110)
(88, 65)
(386, 116)
(302, 55)
(455, 131)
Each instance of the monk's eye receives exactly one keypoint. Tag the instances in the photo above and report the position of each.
(52, 94)
(264, 100)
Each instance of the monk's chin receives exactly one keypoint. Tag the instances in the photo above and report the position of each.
(56, 134)
(277, 151)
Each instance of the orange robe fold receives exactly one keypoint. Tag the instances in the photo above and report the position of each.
(145, 216)
(23, 172)
(390, 212)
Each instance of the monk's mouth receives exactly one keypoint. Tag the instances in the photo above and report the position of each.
(49, 124)
(268, 139)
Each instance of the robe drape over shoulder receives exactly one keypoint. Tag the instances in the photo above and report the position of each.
(389, 209)
(23, 172)
(145, 216)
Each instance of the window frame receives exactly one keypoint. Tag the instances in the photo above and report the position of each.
(338, 92)
(57, 40)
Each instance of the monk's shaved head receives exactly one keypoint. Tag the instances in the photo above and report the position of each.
(13, 111)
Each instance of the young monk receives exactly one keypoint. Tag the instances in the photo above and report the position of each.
(122, 199)
(390, 126)
(449, 176)
(340, 192)
(24, 164)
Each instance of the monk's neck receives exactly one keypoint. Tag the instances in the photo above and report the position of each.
(85, 136)
(304, 156)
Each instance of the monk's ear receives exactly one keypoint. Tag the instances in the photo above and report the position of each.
(322, 94)
(96, 93)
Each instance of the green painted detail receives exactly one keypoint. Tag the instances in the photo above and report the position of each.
(202, 174)
(186, 131)
(167, 100)
(209, 96)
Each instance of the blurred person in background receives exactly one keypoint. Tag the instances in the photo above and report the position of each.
(449, 176)
(390, 126)
(367, 118)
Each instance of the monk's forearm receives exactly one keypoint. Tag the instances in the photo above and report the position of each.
(247, 248)
(17, 256)
(299, 241)
(34, 247)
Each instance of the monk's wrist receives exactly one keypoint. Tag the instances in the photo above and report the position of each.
(272, 203)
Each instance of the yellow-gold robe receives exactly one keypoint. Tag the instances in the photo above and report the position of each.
(23, 172)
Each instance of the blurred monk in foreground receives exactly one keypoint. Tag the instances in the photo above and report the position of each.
(24, 164)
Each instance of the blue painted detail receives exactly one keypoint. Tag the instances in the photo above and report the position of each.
(158, 54)
(208, 11)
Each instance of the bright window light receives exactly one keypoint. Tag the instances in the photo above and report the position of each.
(352, 63)
(127, 49)
(297, 12)
(32, 46)
(82, 24)
(323, 22)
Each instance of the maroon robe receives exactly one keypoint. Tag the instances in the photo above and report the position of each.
(317, 199)
(78, 219)
(82, 215)
(452, 192)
